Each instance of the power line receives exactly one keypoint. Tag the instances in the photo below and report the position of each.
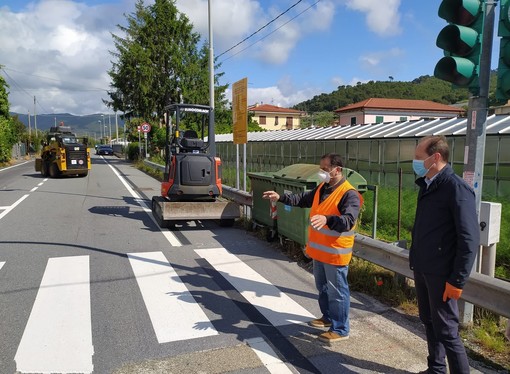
(260, 29)
(272, 32)
(55, 80)
(16, 83)
(25, 91)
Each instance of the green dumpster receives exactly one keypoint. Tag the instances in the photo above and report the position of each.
(356, 179)
(293, 221)
(261, 209)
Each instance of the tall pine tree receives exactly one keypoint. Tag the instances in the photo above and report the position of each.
(158, 61)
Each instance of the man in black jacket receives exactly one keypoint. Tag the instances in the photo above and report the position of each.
(445, 241)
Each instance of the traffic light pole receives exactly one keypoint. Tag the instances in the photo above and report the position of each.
(475, 133)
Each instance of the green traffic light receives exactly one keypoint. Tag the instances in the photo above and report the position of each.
(462, 12)
(457, 40)
(457, 70)
(461, 43)
(503, 82)
(503, 89)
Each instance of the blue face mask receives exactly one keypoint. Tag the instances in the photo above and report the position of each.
(419, 167)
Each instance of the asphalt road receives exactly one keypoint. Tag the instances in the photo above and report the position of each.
(90, 284)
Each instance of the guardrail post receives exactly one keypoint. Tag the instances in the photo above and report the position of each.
(399, 278)
(374, 188)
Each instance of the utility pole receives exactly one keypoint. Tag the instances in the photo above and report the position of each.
(467, 45)
(477, 112)
(212, 143)
(35, 119)
(116, 127)
(29, 127)
(110, 127)
(476, 131)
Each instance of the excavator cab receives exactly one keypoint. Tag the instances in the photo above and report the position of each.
(192, 172)
(191, 187)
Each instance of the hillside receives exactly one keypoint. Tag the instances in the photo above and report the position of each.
(422, 88)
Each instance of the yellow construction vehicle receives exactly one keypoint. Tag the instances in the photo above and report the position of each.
(63, 154)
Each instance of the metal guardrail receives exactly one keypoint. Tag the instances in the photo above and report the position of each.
(489, 293)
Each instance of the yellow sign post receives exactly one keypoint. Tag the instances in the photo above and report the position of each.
(240, 111)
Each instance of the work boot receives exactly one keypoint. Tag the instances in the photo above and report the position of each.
(330, 337)
(319, 322)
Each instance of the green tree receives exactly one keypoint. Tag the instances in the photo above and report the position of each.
(319, 119)
(4, 98)
(7, 133)
(158, 62)
(422, 88)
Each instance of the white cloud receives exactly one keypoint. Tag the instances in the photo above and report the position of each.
(232, 20)
(375, 61)
(382, 16)
(277, 47)
(338, 81)
(284, 94)
(58, 51)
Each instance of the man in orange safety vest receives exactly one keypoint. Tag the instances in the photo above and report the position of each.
(335, 205)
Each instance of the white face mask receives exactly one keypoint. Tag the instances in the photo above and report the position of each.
(324, 176)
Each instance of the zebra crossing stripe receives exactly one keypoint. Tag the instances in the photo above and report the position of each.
(58, 334)
(275, 305)
(173, 312)
(268, 356)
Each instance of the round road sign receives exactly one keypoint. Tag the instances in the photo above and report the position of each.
(146, 127)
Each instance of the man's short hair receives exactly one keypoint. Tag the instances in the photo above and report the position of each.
(334, 159)
(436, 144)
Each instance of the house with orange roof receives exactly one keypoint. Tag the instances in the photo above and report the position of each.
(272, 117)
(378, 110)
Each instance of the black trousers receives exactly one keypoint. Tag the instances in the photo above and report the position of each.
(441, 320)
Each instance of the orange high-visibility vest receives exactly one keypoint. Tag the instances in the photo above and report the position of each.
(325, 245)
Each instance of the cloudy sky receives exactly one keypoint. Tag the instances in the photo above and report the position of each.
(58, 50)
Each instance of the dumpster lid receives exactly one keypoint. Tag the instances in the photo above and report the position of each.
(308, 173)
(299, 172)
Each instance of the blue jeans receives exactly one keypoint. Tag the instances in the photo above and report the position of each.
(334, 295)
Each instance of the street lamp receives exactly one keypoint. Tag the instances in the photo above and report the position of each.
(110, 127)
(102, 121)
(100, 132)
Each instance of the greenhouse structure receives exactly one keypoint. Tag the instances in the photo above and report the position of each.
(379, 152)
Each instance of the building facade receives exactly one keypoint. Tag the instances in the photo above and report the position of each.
(379, 110)
(272, 117)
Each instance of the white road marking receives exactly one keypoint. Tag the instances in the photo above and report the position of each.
(9, 208)
(58, 334)
(13, 166)
(2, 264)
(267, 355)
(173, 311)
(172, 239)
(39, 185)
(275, 305)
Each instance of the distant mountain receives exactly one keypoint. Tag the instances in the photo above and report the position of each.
(89, 125)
